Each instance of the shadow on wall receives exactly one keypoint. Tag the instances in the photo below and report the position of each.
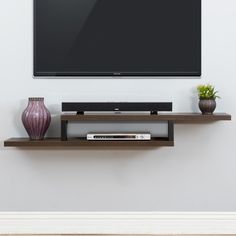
(55, 126)
(194, 101)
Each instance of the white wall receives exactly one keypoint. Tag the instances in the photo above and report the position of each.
(198, 174)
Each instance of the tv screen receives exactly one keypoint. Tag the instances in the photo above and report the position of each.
(117, 37)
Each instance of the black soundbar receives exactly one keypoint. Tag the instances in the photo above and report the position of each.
(80, 108)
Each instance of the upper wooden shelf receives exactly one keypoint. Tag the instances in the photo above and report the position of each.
(175, 117)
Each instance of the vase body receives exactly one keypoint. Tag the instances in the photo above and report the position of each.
(36, 118)
(207, 106)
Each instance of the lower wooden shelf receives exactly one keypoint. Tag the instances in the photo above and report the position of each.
(82, 142)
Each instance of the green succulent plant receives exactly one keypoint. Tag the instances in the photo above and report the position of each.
(207, 92)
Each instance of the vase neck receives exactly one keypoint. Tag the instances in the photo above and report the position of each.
(36, 101)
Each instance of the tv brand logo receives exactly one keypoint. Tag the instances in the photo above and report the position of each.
(116, 73)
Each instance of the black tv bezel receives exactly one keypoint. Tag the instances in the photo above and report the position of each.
(112, 74)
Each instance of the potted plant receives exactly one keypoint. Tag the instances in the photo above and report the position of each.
(207, 98)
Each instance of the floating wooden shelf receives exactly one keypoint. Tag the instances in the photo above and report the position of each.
(176, 117)
(56, 142)
(171, 118)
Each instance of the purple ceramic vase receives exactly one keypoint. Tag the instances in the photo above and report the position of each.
(36, 118)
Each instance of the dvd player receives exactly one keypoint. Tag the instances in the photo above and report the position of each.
(119, 136)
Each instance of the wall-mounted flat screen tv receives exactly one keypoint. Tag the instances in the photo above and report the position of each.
(117, 37)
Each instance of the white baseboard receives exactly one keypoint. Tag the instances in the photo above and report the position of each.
(117, 223)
